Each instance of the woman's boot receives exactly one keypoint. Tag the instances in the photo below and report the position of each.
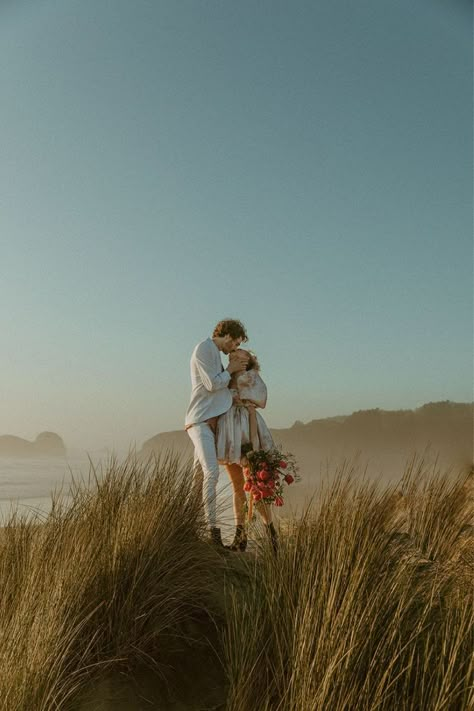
(240, 540)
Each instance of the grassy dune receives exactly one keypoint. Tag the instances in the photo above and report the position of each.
(110, 584)
(117, 602)
(368, 606)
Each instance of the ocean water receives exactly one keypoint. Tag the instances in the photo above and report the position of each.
(27, 484)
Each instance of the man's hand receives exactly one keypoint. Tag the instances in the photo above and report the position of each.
(237, 363)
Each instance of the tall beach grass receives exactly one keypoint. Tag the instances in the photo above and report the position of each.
(367, 605)
(110, 581)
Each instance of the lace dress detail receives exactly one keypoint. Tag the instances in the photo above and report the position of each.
(233, 428)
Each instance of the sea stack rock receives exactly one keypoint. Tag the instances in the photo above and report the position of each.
(49, 444)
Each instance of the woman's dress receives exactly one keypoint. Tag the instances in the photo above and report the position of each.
(233, 427)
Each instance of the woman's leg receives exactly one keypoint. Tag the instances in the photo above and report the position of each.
(265, 511)
(237, 478)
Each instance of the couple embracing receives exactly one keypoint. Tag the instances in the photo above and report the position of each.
(223, 423)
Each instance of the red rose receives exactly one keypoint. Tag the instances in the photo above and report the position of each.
(248, 486)
(283, 465)
(263, 475)
(270, 484)
(257, 496)
(278, 501)
(266, 493)
(289, 479)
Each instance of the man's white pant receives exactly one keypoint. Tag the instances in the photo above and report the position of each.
(205, 468)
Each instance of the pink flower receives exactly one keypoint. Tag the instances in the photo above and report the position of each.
(289, 479)
(248, 486)
(257, 496)
(263, 475)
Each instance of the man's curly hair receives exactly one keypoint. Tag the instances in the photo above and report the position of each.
(230, 327)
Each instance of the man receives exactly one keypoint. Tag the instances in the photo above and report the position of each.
(211, 397)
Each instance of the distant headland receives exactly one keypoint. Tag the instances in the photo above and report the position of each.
(47, 444)
(385, 438)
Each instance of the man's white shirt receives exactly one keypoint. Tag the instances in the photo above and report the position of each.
(210, 395)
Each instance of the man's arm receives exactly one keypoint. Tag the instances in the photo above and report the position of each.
(211, 379)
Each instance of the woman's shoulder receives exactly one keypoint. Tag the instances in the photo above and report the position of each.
(252, 387)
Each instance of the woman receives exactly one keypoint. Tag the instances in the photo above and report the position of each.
(243, 425)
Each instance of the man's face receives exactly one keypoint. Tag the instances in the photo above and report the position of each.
(230, 344)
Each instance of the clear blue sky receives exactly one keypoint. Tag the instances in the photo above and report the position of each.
(303, 166)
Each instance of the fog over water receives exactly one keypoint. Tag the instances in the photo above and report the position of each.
(379, 444)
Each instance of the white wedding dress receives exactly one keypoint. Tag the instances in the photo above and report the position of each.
(233, 428)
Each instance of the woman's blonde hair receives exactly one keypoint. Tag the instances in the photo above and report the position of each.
(253, 363)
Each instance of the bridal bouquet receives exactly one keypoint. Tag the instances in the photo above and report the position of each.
(266, 473)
